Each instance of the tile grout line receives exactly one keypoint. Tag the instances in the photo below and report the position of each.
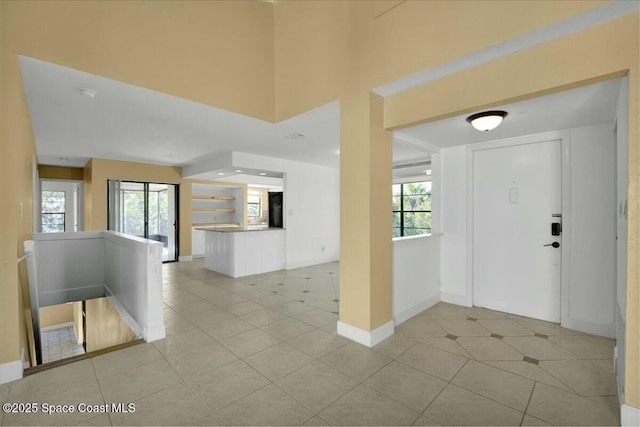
(100, 388)
(524, 413)
(438, 395)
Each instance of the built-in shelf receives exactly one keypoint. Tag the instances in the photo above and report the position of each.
(215, 205)
(229, 210)
(213, 224)
(213, 197)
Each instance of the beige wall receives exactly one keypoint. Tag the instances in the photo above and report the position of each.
(77, 321)
(59, 172)
(55, 315)
(17, 149)
(311, 54)
(216, 53)
(105, 327)
(365, 245)
(325, 49)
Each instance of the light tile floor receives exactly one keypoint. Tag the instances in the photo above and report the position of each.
(59, 344)
(263, 350)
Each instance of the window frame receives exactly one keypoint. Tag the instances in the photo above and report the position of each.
(257, 194)
(63, 213)
(401, 212)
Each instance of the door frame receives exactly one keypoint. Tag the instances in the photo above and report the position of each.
(79, 213)
(146, 209)
(565, 161)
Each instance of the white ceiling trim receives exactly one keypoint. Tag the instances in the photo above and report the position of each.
(596, 16)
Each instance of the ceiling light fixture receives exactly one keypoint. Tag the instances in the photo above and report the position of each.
(89, 93)
(220, 174)
(262, 174)
(487, 120)
(238, 171)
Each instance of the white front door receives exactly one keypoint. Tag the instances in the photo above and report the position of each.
(516, 191)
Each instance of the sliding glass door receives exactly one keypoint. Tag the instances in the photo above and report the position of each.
(148, 210)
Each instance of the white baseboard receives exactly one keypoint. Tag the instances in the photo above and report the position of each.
(629, 415)
(608, 330)
(11, 371)
(368, 338)
(58, 326)
(154, 333)
(416, 309)
(453, 298)
(185, 258)
(25, 363)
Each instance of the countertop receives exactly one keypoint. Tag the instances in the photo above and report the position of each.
(238, 230)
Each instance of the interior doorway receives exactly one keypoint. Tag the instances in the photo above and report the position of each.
(145, 209)
(60, 206)
(517, 255)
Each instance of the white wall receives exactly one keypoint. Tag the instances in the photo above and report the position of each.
(312, 208)
(453, 220)
(591, 287)
(416, 275)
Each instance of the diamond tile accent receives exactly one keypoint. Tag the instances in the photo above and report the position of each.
(249, 352)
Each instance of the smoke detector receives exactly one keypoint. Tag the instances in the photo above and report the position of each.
(295, 135)
(89, 93)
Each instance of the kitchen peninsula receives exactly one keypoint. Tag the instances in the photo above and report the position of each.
(239, 252)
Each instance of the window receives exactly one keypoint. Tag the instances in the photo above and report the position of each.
(254, 208)
(53, 211)
(411, 209)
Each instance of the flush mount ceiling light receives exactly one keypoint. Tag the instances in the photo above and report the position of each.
(238, 171)
(262, 174)
(220, 174)
(487, 120)
(89, 93)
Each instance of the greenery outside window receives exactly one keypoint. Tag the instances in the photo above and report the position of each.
(254, 208)
(411, 209)
(53, 211)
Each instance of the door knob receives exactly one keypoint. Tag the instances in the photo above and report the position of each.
(554, 244)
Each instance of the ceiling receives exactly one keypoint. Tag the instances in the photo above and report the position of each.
(126, 122)
(583, 106)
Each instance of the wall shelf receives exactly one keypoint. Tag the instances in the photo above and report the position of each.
(213, 224)
(213, 197)
(227, 210)
(215, 205)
